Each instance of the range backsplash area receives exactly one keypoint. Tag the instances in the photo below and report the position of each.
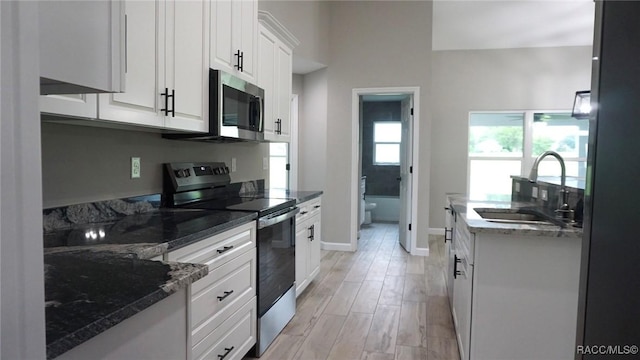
(83, 164)
(522, 191)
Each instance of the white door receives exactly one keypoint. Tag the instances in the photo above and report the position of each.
(404, 235)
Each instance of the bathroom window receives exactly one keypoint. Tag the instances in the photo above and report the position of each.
(387, 136)
(502, 144)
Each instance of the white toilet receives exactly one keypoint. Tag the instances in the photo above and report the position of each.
(368, 206)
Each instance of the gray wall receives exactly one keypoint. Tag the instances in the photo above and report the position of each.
(373, 44)
(477, 80)
(312, 133)
(83, 163)
(381, 179)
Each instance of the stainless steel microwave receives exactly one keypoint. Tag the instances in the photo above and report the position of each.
(236, 111)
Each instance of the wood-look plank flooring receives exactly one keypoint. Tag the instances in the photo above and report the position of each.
(378, 303)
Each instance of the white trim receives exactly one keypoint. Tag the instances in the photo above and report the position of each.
(293, 144)
(355, 180)
(420, 252)
(336, 246)
(275, 26)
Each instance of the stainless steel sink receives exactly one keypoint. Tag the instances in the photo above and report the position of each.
(513, 216)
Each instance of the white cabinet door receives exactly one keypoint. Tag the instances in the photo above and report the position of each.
(302, 256)
(77, 105)
(283, 92)
(267, 44)
(186, 64)
(247, 31)
(139, 104)
(234, 29)
(81, 46)
(314, 247)
(222, 47)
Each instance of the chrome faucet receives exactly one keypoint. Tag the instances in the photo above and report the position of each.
(563, 210)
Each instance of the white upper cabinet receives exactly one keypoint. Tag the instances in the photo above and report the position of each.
(72, 105)
(275, 76)
(81, 46)
(234, 30)
(166, 67)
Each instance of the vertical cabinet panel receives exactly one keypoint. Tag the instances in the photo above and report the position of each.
(139, 103)
(221, 35)
(187, 64)
(284, 90)
(266, 77)
(248, 30)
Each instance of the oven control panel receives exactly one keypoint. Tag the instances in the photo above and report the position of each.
(195, 176)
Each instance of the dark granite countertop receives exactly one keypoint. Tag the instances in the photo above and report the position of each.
(300, 196)
(98, 274)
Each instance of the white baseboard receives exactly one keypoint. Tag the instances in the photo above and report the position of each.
(420, 252)
(335, 246)
(436, 231)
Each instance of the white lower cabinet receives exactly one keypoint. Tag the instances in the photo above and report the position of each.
(515, 295)
(222, 306)
(308, 240)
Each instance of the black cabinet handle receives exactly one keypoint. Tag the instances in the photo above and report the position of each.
(279, 126)
(224, 249)
(173, 103)
(312, 233)
(226, 352)
(317, 206)
(226, 294)
(239, 57)
(456, 261)
(166, 102)
(450, 232)
(242, 61)
(303, 212)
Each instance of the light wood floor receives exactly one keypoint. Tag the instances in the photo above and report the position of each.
(378, 303)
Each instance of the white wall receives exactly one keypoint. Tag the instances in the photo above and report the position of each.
(373, 44)
(312, 133)
(510, 79)
(84, 163)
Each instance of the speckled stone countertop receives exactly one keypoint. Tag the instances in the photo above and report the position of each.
(300, 196)
(98, 274)
(477, 225)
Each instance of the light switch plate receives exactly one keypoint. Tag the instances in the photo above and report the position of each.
(534, 192)
(517, 187)
(265, 163)
(135, 167)
(544, 195)
(233, 164)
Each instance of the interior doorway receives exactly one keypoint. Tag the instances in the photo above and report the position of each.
(384, 158)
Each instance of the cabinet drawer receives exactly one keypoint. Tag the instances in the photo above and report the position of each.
(218, 249)
(221, 293)
(308, 209)
(234, 337)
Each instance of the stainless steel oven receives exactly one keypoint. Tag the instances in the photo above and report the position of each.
(276, 274)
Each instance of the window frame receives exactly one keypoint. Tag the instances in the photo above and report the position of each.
(527, 159)
(399, 143)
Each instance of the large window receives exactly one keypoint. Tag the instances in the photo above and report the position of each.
(278, 160)
(387, 136)
(502, 144)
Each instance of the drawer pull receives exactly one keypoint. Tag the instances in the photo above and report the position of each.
(226, 294)
(226, 352)
(224, 249)
(317, 206)
(303, 212)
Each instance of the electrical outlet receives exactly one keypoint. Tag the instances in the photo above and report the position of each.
(544, 195)
(233, 164)
(534, 192)
(265, 163)
(517, 187)
(135, 167)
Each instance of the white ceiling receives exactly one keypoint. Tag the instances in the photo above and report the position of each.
(482, 24)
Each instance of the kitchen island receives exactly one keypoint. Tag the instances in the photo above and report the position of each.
(513, 286)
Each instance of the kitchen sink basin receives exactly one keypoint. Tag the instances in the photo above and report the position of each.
(513, 216)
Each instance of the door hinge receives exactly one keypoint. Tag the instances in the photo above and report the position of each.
(409, 227)
(411, 111)
(410, 169)
(288, 167)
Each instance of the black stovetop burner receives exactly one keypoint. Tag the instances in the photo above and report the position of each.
(263, 206)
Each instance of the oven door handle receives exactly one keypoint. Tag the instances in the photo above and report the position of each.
(265, 222)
